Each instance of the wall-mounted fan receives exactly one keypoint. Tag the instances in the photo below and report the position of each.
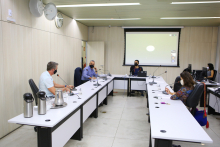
(37, 9)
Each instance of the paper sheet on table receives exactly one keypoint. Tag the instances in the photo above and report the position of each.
(159, 82)
(163, 96)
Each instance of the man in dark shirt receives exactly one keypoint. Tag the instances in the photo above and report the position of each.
(134, 69)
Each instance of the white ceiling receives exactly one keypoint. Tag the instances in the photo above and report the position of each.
(150, 12)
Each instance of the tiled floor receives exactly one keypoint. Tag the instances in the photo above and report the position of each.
(125, 124)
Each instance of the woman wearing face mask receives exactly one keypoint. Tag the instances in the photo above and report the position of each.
(210, 72)
(187, 83)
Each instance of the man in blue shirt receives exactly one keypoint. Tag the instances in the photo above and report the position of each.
(46, 82)
(89, 72)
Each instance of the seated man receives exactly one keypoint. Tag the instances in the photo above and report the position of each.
(46, 82)
(89, 73)
(134, 69)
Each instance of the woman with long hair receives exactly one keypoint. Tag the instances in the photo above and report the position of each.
(187, 83)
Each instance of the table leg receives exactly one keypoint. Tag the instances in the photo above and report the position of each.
(78, 134)
(106, 101)
(44, 137)
(128, 88)
(163, 143)
(150, 144)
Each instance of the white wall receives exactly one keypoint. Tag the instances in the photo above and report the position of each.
(25, 49)
(197, 47)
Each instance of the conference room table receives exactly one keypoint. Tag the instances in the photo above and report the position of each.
(171, 121)
(57, 126)
(213, 101)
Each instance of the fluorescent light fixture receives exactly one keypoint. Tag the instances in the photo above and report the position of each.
(100, 5)
(136, 27)
(189, 17)
(199, 2)
(107, 19)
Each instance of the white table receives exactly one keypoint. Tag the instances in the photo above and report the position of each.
(213, 101)
(175, 119)
(67, 122)
(129, 83)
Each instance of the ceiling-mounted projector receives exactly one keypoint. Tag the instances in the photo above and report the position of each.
(37, 9)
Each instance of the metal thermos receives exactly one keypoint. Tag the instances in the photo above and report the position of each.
(41, 100)
(28, 105)
(59, 98)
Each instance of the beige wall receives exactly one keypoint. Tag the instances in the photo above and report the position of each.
(25, 49)
(197, 47)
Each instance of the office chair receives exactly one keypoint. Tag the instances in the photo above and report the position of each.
(177, 84)
(34, 89)
(193, 100)
(214, 76)
(77, 77)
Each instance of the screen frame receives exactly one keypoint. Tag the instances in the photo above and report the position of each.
(152, 30)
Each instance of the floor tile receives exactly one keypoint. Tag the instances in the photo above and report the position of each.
(129, 143)
(100, 127)
(91, 141)
(139, 130)
(20, 138)
(110, 112)
(135, 114)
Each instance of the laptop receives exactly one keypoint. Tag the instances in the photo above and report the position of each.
(142, 74)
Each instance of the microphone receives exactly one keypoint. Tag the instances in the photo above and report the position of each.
(155, 71)
(68, 86)
(151, 83)
(162, 73)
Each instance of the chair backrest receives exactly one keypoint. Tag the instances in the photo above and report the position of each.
(193, 99)
(77, 77)
(214, 76)
(177, 84)
(34, 89)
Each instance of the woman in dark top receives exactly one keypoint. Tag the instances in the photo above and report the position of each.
(187, 83)
(210, 72)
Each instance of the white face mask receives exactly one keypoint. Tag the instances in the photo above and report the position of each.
(207, 68)
(181, 82)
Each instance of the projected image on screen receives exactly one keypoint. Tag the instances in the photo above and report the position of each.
(152, 48)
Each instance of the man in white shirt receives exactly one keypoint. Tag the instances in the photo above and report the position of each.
(46, 82)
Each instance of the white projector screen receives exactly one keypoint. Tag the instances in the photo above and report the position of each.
(152, 48)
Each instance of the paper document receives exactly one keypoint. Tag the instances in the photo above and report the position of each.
(163, 96)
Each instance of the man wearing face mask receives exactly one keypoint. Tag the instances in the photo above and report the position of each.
(46, 82)
(135, 68)
(89, 72)
(134, 71)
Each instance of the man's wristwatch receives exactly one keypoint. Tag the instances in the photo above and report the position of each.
(65, 85)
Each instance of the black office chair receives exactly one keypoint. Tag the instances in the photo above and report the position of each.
(34, 89)
(214, 76)
(77, 77)
(177, 84)
(193, 100)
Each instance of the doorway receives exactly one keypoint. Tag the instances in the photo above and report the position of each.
(83, 58)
